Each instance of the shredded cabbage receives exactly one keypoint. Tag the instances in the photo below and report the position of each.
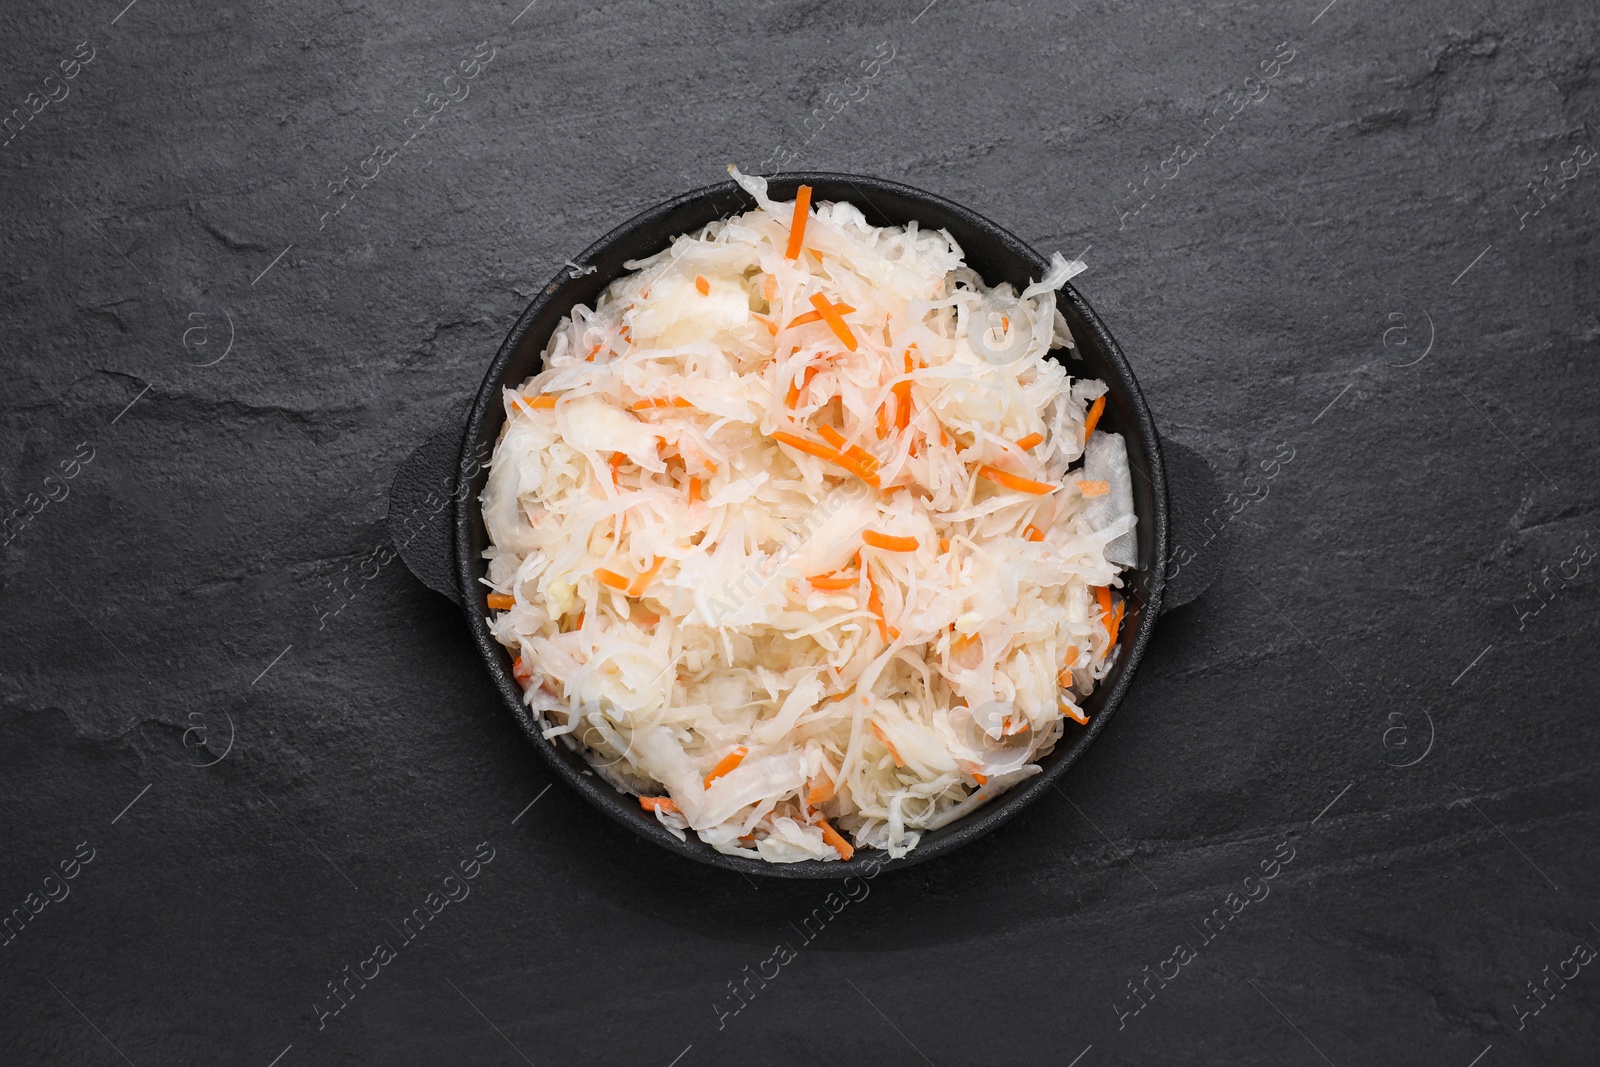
(867, 632)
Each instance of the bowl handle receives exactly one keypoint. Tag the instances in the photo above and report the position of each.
(420, 516)
(1198, 541)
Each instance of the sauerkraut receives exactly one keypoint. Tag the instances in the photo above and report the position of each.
(791, 537)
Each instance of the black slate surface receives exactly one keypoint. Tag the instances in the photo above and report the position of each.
(257, 743)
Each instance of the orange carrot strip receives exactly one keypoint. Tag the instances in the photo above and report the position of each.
(1116, 624)
(702, 284)
(807, 317)
(520, 672)
(835, 321)
(898, 762)
(883, 420)
(542, 402)
(1064, 679)
(611, 578)
(662, 402)
(944, 544)
(859, 469)
(831, 582)
(795, 387)
(797, 228)
(617, 459)
(727, 763)
(829, 834)
(981, 779)
(644, 618)
(1031, 532)
(810, 448)
(772, 327)
(856, 452)
(1029, 441)
(902, 396)
(819, 790)
(694, 490)
(657, 804)
(1093, 418)
(641, 583)
(769, 287)
(501, 601)
(875, 605)
(1094, 488)
(889, 542)
(1017, 482)
(1074, 714)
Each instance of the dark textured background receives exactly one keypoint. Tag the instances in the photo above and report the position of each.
(1375, 643)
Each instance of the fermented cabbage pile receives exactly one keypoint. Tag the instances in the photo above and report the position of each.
(803, 539)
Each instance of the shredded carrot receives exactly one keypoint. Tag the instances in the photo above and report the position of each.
(727, 763)
(878, 730)
(1102, 595)
(577, 624)
(520, 672)
(1010, 728)
(824, 452)
(1064, 679)
(944, 544)
(795, 387)
(644, 618)
(769, 287)
(711, 467)
(902, 397)
(944, 438)
(641, 583)
(981, 779)
(662, 402)
(772, 327)
(831, 582)
(657, 804)
(810, 448)
(856, 452)
(501, 601)
(829, 834)
(1072, 654)
(816, 254)
(1032, 533)
(617, 459)
(806, 317)
(889, 542)
(883, 420)
(1029, 441)
(797, 228)
(702, 284)
(1073, 713)
(595, 351)
(875, 605)
(831, 314)
(1094, 488)
(542, 402)
(1093, 418)
(1116, 624)
(819, 790)
(694, 490)
(1017, 482)
(611, 578)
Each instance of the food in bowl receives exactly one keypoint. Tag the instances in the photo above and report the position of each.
(803, 538)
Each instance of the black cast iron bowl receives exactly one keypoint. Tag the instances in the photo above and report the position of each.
(449, 472)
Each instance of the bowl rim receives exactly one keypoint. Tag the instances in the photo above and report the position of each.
(623, 807)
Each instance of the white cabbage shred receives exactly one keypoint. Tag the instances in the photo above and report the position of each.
(867, 644)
